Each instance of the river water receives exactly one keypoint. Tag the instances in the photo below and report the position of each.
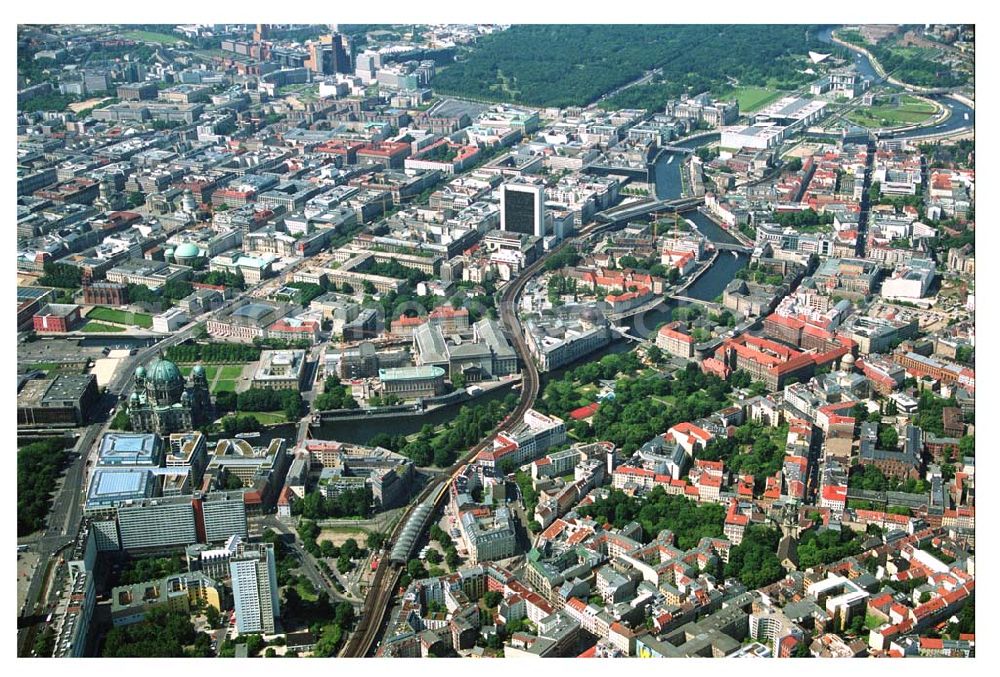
(359, 432)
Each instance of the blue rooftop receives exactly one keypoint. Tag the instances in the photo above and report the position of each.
(130, 449)
(108, 487)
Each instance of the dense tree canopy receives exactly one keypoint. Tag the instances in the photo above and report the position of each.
(633, 417)
(38, 467)
(143, 569)
(571, 65)
(60, 275)
(463, 431)
(348, 503)
(265, 399)
(213, 353)
(751, 450)
(165, 633)
(335, 396)
(659, 510)
(755, 561)
(826, 546)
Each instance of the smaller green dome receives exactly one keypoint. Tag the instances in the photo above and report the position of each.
(186, 251)
(198, 370)
(140, 372)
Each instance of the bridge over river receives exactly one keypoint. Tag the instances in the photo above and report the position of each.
(636, 210)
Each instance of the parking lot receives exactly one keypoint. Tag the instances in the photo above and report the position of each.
(26, 563)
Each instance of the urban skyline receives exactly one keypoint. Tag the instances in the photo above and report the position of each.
(496, 340)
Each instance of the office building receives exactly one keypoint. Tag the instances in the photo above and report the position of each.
(64, 400)
(911, 281)
(522, 209)
(224, 515)
(675, 339)
(157, 523)
(170, 320)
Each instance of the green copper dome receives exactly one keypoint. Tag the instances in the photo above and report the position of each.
(163, 372)
(186, 251)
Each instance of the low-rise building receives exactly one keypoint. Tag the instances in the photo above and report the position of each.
(153, 274)
(57, 318)
(66, 399)
(170, 320)
(412, 382)
(280, 370)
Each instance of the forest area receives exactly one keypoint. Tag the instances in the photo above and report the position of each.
(572, 65)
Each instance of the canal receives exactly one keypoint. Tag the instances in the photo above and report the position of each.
(714, 280)
(359, 432)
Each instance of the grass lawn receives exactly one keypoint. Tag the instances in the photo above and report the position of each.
(306, 592)
(120, 316)
(209, 53)
(917, 105)
(148, 36)
(778, 435)
(752, 98)
(210, 370)
(231, 372)
(224, 384)
(266, 417)
(909, 111)
(50, 366)
(99, 328)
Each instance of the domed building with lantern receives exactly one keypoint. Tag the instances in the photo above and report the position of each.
(163, 401)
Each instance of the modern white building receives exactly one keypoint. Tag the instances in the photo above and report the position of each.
(760, 136)
(910, 281)
(170, 320)
(792, 112)
(255, 587)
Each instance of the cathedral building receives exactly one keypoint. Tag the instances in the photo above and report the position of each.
(163, 402)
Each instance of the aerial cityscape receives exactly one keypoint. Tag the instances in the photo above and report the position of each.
(496, 340)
